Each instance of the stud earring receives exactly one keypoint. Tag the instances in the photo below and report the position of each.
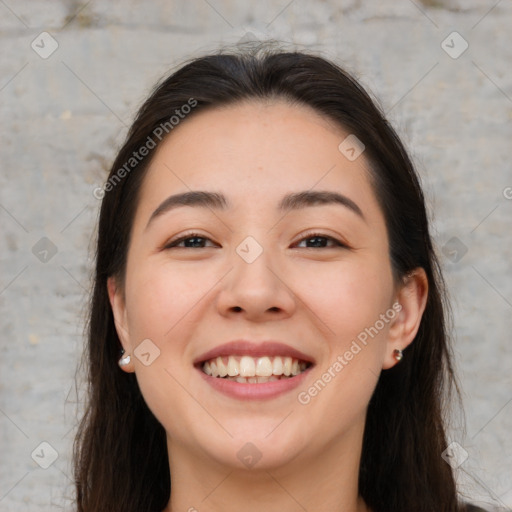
(398, 354)
(124, 360)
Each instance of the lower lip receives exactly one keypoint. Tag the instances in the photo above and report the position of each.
(261, 391)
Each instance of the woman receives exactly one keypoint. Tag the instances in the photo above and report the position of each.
(266, 281)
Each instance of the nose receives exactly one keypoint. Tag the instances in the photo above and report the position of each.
(257, 290)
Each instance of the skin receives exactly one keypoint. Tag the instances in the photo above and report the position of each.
(187, 300)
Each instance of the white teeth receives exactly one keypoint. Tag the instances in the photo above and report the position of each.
(264, 367)
(252, 369)
(255, 380)
(287, 366)
(233, 369)
(277, 366)
(221, 367)
(247, 367)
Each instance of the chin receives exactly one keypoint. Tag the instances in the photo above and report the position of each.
(261, 444)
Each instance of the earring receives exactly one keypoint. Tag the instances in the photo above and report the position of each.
(124, 360)
(398, 354)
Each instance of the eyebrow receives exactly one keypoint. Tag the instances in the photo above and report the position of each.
(292, 201)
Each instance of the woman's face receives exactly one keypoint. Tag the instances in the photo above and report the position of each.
(267, 274)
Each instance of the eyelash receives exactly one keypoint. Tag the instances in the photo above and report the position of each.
(173, 244)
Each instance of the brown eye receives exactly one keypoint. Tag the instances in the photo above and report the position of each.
(190, 241)
(320, 240)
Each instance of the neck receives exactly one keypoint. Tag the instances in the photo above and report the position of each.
(324, 482)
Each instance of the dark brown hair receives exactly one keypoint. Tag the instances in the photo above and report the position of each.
(120, 452)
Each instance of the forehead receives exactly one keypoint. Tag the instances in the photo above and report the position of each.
(255, 152)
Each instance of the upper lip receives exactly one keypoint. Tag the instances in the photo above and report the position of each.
(254, 349)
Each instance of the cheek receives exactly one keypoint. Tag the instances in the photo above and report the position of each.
(159, 298)
(352, 302)
(346, 297)
(160, 304)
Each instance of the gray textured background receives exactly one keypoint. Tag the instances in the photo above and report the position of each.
(65, 115)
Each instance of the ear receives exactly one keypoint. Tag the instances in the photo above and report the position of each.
(412, 298)
(117, 302)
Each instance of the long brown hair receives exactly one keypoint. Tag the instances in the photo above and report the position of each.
(120, 452)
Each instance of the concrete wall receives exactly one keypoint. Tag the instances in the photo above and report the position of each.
(65, 113)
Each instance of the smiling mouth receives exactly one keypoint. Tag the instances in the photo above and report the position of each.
(254, 370)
